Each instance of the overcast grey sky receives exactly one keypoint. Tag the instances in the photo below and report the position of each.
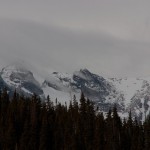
(108, 37)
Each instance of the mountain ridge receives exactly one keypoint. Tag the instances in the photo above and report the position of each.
(127, 93)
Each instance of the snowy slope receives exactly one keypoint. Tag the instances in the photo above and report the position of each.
(136, 94)
(58, 85)
(128, 87)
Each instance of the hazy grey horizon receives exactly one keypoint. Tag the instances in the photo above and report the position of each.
(110, 38)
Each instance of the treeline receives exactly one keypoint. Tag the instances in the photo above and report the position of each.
(29, 124)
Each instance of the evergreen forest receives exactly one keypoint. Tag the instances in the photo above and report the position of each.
(28, 123)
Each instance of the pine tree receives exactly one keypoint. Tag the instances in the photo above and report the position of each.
(100, 127)
(35, 124)
(147, 133)
(109, 132)
(45, 134)
(116, 127)
(129, 130)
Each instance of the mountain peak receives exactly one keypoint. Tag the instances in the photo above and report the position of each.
(19, 77)
(16, 66)
(85, 70)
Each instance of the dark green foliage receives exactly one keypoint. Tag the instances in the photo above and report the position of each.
(29, 124)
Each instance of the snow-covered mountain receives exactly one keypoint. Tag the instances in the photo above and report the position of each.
(127, 93)
(18, 77)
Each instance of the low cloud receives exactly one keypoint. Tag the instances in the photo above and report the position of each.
(69, 37)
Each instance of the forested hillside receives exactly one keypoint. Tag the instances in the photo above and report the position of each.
(31, 124)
